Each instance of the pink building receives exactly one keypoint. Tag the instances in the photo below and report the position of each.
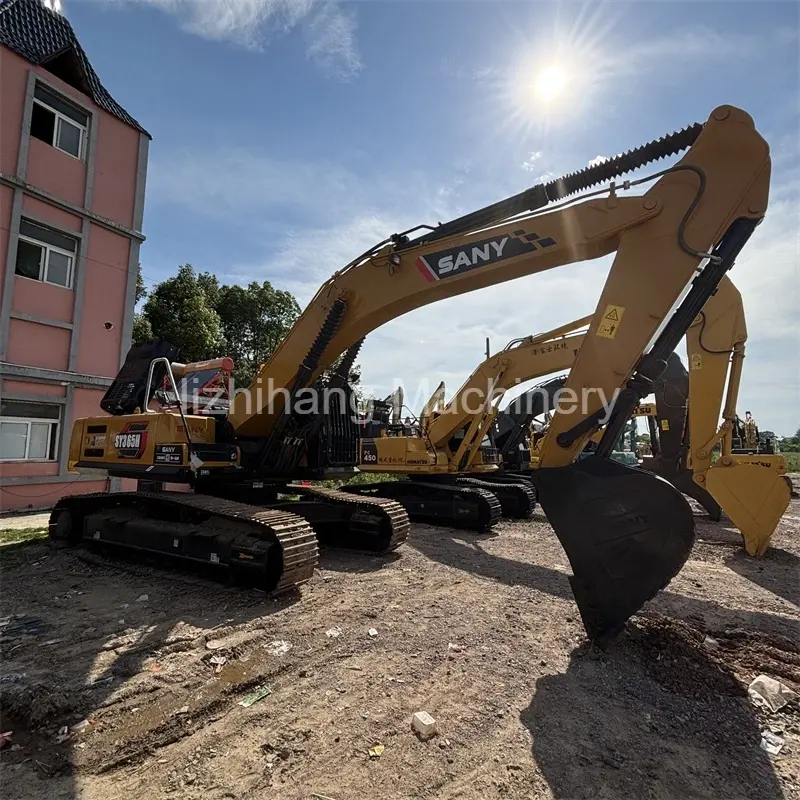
(72, 181)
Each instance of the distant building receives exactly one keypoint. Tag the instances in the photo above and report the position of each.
(73, 164)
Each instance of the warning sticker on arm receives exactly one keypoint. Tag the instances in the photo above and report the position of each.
(609, 325)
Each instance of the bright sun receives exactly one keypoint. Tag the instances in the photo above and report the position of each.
(549, 83)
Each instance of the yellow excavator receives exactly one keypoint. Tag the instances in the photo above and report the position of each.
(454, 472)
(683, 427)
(626, 532)
(752, 488)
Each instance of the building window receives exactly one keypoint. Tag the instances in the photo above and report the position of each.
(58, 122)
(45, 255)
(28, 431)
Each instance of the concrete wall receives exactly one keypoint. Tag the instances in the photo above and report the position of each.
(55, 344)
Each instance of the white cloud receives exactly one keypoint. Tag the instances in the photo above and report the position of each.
(530, 162)
(332, 41)
(329, 30)
(597, 160)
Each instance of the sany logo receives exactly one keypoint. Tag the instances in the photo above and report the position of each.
(447, 263)
(466, 258)
(131, 441)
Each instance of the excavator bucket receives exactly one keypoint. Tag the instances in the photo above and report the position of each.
(626, 533)
(754, 497)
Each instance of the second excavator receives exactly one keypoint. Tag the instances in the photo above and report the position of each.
(626, 532)
(684, 432)
(454, 471)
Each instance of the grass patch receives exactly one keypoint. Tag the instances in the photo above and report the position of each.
(16, 535)
(792, 461)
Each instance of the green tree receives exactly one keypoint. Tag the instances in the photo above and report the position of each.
(142, 331)
(141, 292)
(254, 321)
(179, 311)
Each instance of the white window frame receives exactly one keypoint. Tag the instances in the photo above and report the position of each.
(54, 429)
(44, 263)
(57, 127)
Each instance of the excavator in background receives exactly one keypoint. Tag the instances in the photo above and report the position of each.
(755, 496)
(625, 531)
(748, 439)
(453, 470)
(752, 488)
(669, 435)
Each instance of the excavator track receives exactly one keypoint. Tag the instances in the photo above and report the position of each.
(517, 499)
(342, 520)
(270, 549)
(469, 508)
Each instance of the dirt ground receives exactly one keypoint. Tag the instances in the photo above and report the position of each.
(479, 631)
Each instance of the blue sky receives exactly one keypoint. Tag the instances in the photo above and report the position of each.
(288, 135)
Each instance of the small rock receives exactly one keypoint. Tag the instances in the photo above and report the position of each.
(279, 647)
(214, 644)
(424, 725)
(455, 648)
(372, 632)
(710, 643)
(334, 633)
(142, 598)
(183, 710)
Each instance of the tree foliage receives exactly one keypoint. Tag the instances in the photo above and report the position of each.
(141, 292)
(255, 320)
(179, 311)
(142, 330)
(206, 319)
(790, 444)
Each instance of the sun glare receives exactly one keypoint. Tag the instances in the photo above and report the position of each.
(549, 83)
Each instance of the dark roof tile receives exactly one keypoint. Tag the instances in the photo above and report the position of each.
(38, 34)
